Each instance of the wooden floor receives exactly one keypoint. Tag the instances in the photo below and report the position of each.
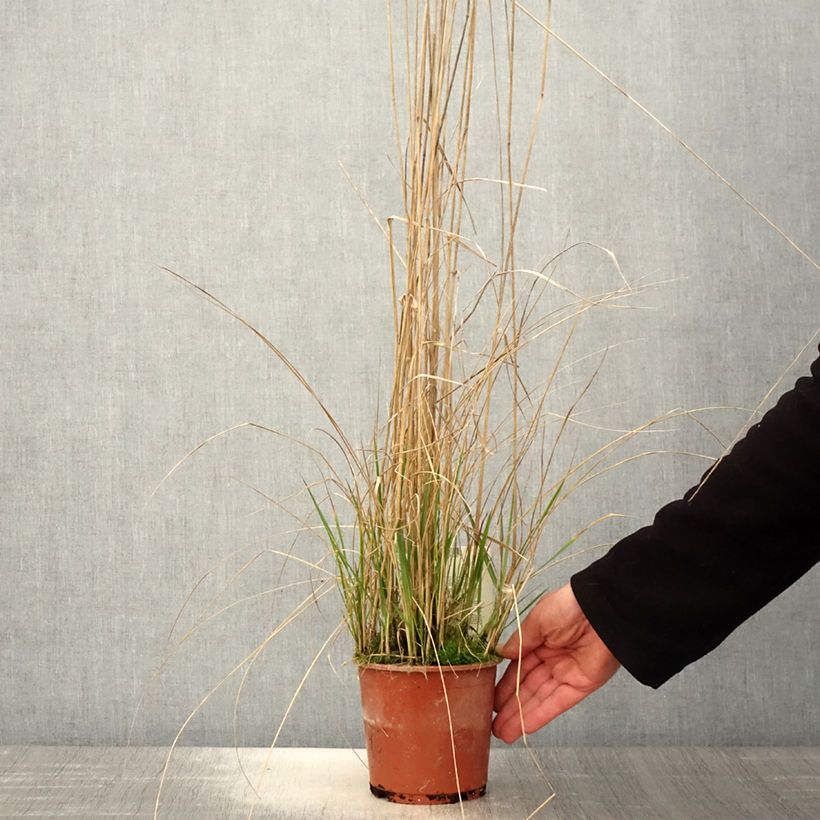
(629, 783)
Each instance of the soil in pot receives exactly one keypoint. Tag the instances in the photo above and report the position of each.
(410, 736)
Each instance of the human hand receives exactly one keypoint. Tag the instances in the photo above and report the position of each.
(562, 661)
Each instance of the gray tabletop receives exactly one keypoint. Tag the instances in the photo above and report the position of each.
(743, 783)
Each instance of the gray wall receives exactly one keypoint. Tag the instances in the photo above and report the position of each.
(205, 137)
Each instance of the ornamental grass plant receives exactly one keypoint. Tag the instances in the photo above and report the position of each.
(450, 503)
(439, 526)
(435, 529)
(435, 524)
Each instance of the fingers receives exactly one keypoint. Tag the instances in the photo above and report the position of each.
(537, 686)
(532, 634)
(544, 706)
(505, 688)
(534, 626)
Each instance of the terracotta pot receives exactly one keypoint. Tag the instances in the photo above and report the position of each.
(408, 732)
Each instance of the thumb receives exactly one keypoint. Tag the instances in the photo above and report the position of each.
(531, 634)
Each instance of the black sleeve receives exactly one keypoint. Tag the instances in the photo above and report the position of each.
(669, 593)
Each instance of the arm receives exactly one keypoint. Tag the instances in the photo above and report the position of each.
(671, 592)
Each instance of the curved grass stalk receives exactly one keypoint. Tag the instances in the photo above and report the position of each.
(463, 241)
(532, 755)
(328, 642)
(348, 450)
(675, 136)
(757, 409)
(298, 610)
(504, 182)
(341, 731)
(172, 651)
(238, 697)
(242, 425)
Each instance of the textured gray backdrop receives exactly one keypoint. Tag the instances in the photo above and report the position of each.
(206, 137)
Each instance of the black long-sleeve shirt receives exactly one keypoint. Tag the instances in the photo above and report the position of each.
(669, 593)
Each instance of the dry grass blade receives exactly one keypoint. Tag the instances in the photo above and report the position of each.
(289, 619)
(348, 449)
(688, 148)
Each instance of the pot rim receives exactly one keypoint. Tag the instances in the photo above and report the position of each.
(434, 668)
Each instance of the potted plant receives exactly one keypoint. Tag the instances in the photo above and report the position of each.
(444, 532)
(437, 541)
